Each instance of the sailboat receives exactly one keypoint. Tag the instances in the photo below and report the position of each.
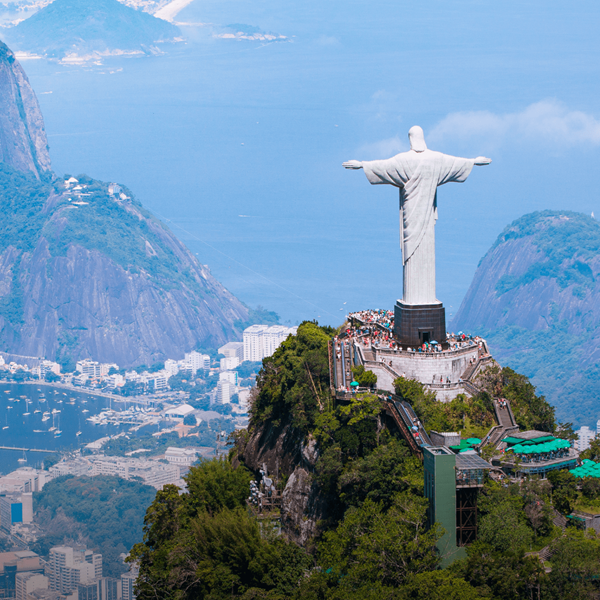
(53, 428)
(57, 432)
(6, 426)
(45, 416)
(24, 459)
(26, 413)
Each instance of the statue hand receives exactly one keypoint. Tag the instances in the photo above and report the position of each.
(482, 160)
(352, 164)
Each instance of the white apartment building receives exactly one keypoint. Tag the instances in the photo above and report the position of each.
(230, 376)
(28, 582)
(224, 391)
(229, 362)
(71, 566)
(151, 472)
(197, 361)
(25, 479)
(261, 341)
(91, 368)
(232, 350)
(584, 436)
(127, 583)
(171, 366)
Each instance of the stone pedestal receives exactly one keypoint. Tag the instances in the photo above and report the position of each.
(415, 324)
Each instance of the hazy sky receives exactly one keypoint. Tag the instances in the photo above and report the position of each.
(218, 129)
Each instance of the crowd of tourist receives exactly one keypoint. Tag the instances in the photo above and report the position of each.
(382, 318)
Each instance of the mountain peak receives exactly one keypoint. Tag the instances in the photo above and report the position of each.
(23, 142)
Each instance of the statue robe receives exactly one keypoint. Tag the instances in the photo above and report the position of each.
(418, 175)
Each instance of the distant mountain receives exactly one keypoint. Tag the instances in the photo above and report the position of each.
(85, 270)
(23, 143)
(536, 296)
(85, 27)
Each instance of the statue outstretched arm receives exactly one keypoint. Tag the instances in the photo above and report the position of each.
(482, 160)
(352, 164)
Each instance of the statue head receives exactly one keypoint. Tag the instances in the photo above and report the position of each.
(417, 139)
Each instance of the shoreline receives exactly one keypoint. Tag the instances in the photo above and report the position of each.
(72, 388)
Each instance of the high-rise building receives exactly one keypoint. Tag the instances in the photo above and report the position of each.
(233, 350)
(261, 341)
(197, 361)
(224, 391)
(71, 566)
(104, 588)
(229, 362)
(15, 508)
(128, 582)
(584, 436)
(29, 581)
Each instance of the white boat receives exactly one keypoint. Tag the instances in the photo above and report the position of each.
(85, 410)
(9, 407)
(57, 433)
(44, 419)
(25, 414)
(52, 429)
(5, 427)
(55, 411)
(37, 410)
(78, 433)
(39, 431)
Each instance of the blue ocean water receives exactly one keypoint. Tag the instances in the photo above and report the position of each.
(29, 431)
(238, 145)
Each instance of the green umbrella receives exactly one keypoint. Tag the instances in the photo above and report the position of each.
(474, 441)
(354, 384)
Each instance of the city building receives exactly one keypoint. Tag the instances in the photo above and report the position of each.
(261, 341)
(104, 588)
(230, 376)
(584, 436)
(233, 350)
(229, 362)
(128, 582)
(91, 368)
(179, 413)
(28, 582)
(183, 457)
(24, 479)
(197, 361)
(15, 508)
(225, 390)
(69, 567)
(14, 563)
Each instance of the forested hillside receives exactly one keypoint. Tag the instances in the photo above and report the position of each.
(365, 496)
(105, 513)
(536, 298)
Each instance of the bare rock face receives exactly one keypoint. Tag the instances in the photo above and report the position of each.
(85, 271)
(285, 454)
(536, 297)
(23, 143)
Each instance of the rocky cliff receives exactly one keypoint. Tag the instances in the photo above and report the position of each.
(85, 270)
(288, 457)
(23, 143)
(536, 296)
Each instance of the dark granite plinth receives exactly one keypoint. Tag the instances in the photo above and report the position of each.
(416, 324)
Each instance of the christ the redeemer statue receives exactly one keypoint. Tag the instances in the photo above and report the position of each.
(418, 173)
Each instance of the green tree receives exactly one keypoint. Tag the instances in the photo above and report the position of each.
(373, 545)
(190, 420)
(215, 484)
(575, 567)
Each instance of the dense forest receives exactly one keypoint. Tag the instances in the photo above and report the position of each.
(374, 544)
(105, 513)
